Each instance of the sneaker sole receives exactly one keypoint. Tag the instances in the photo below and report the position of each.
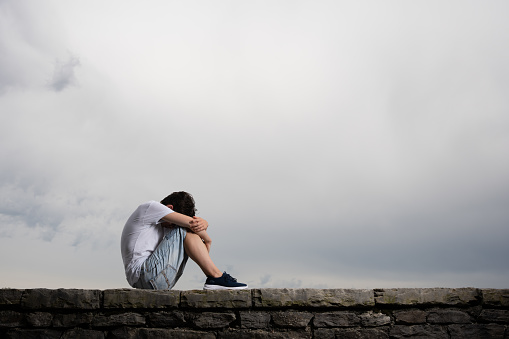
(219, 287)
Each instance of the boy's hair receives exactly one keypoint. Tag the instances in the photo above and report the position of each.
(182, 202)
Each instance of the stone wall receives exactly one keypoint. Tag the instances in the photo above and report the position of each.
(256, 313)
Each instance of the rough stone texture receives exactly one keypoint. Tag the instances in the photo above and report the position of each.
(11, 319)
(476, 331)
(448, 316)
(9, 296)
(411, 316)
(371, 319)
(80, 333)
(210, 320)
(216, 299)
(133, 298)
(150, 333)
(166, 319)
(428, 296)
(351, 333)
(473, 311)
(496, 298)
(33, 334)
(307, 297)
(123, 332)
(419, 331)
(122, 319)
(260, 334)
(336, 319)
(39, 319)
(61, 298)
(292, 319)
(262, 313)
(494, 316)
(254, 319)
(72, 319)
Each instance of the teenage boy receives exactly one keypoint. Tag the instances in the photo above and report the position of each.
(159, 237)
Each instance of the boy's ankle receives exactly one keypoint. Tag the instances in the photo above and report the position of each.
(215, 275)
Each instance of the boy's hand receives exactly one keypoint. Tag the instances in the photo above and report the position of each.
(198, 224)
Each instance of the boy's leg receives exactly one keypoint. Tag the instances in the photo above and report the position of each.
(166, 264)
(197, 251)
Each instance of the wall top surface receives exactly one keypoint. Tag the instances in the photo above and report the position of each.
(253, 298)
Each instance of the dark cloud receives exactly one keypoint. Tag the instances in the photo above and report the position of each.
(64, 74)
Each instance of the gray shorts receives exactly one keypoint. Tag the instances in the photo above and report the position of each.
(166, 264)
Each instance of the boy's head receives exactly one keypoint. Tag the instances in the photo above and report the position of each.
(181, 202)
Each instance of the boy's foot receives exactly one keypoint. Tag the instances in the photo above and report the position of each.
(224, 282)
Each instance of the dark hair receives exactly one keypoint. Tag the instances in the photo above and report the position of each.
(182, 202)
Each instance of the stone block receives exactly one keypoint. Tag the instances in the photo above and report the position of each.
(473, 331)
(418, 331)
(494, 316)
(123, 333)
(72, 319)
(336, 319)
(496, 298)
(351, 333)
(448, 316)
(428, 296)
(33, 334)
(292, 319)
(254, 319)
(410, 316)
(81, 333)
(212, 320)
(10, 296)
(136, 298)
(61, 299)
(216, 299)
(263, 334)
(474, 311)
(11, 319)
(307, 297)
(372, 319)
(150, 333)
(121, 319)
(39, 319)
(166, 319)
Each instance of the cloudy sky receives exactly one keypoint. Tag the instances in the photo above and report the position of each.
(330, 144)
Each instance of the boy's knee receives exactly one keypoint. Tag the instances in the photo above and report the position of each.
(192, 236)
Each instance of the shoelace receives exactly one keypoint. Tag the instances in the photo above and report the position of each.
(229, 277)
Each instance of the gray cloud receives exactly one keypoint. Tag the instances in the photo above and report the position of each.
(63, 74)
(28, 45)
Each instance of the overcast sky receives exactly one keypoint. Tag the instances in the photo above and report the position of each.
(329, 144)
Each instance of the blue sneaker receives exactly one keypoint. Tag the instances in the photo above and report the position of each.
(224, 282)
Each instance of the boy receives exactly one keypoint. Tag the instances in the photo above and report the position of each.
(157, 240)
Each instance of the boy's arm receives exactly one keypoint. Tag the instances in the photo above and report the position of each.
(195, 224)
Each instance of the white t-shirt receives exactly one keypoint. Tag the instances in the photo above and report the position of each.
(140, 237)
